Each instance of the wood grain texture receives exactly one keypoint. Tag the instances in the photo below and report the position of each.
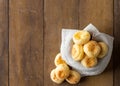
(52, 26)
(99, 13)
(4, 43)
(70, 14)
(26, 43)
(117, 42)
(58, 14)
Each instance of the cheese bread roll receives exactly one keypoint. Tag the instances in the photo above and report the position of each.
(77, 52)
(62, 71)
(54, 78)
(74, 77)
(58, 60)
(81, 37)
(89, 62)
(104, 49)
(92, 49)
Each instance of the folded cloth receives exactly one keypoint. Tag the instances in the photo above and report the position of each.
(66, 47)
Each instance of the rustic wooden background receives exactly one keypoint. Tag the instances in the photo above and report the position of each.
(30, 37)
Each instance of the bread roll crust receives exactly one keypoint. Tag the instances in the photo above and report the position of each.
(77, 52)
(81, 37)
(54, 78)
(62, 71)
(74, 77)
(58, 60)
(89, 62)
(92, 49)
(104, 49)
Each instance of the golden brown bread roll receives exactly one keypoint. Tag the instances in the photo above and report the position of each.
(92, 49)
(81, 37)
(77, 52)
(58, 60)
(104, 49)
(62, 71)
(89, 62)
(74, 77)
(54, 78)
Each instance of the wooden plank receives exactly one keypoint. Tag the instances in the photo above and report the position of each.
(58, 14)
(52, 16)
(116, 43)
(4, 43)
(99, 13)
(70, 14)
(26, 43)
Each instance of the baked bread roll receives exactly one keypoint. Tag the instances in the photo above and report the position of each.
(77, 52)
(81, 37)
(62, 71)
(104, 49)
(54, 78)
(89, 62)
(58, 60)
(92, 49)
(74, 77)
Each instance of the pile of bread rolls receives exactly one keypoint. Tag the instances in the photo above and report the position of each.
(87, 51)
(84, 50)
(63, 72)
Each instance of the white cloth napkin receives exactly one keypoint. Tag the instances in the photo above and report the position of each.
(67, 43)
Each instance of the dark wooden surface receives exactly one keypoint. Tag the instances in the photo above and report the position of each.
(26, 43)
(116, 52)
(30, 38)
(4, 45)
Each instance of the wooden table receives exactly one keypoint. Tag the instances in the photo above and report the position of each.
(30, 37)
